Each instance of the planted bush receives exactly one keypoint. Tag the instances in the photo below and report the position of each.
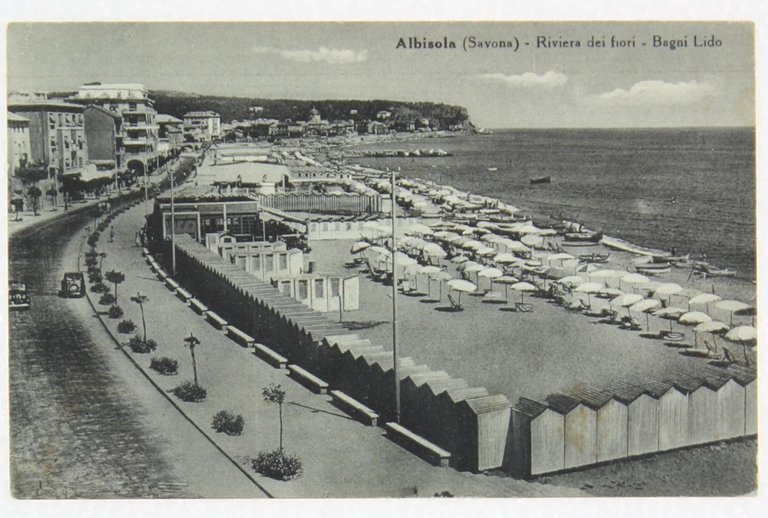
(164, 365)
(90, 254)
(228, 423)
(191, 392)
(278, 465)
(107, 299)
(139, 345)
(126, 326)
(95, 277)
(90, 261)
(99, 288)
(115, 312)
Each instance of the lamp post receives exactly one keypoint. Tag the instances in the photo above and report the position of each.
(173, 230)
(394, 306)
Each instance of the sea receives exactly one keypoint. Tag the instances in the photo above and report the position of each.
(683, 189)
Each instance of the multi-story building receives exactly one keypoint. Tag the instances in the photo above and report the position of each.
(137, 142)
(202, 126)
(57, 142)
(103, 130)
(171, 132)
(19, 153)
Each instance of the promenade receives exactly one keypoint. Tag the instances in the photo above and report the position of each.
(341, 457)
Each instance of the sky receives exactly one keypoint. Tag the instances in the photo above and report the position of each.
(536, 83)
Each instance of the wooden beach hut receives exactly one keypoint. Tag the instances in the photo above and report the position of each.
(537, 443)
(672, 413)
(611, 422)
(642, 418)
(580, 429)
(731, 404)
(484, 424)
(748, 379)
(702, 408)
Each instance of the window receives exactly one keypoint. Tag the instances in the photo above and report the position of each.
(334, 287)
(303, 290)
(256, 263)
(319, 285)
(283, 264)
(269, 262)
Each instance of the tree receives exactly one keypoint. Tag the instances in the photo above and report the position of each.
(34, 192)
(275, 394)
(191, 341)
(141, 300)
(115, 278)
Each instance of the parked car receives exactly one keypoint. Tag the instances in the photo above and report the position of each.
(73, 285)
(18, 297)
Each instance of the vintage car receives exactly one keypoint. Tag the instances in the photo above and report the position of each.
(17, 296)
(73, 285)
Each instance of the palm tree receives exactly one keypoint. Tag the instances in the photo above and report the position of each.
(191, 341)
(115, 278)
(141, 300)
(275, 394)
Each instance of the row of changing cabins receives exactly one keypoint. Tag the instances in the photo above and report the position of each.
(588, 426)
(565, 431)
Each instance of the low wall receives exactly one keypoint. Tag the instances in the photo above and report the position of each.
(466, 421)
(592, 427)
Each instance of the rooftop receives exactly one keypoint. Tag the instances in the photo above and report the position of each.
(12, 117)
(201, 114)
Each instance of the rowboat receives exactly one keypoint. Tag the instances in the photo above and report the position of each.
(540, 179)
(712, 271)
(594, 257)
(653, 268)
(581, 237)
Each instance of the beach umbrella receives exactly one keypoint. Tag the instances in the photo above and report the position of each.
(558, 258)
(505, 258)
(466, 264)
(645, 306)
(378, 250)
(704, 298)
(532, 240)
(713, 327)
(491, 274)
(671, 313)
(694, 318)
(506, 280)
(634, 279)
(527, 229)
(745, 335)
(523, 287)
(459, 259)
(571, 281)
(430, 271)
(667, 289)
(419, 229)
(605, 275)
(625, 301)
(606, 293)
(359, 247)
(485, 251)
(589, 288)
(434, 250)
(471, 244)
(732, 306)
(461, 286)
(491, 238)
(474, 268)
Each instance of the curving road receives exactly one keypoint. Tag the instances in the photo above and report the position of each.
(83, 421)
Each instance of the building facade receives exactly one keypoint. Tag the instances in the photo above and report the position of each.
(202, 126)
(137, 142)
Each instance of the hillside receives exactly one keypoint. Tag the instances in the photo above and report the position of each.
(239, 108)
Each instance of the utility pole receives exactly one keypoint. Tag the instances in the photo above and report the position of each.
(173, 230)
(394, 305)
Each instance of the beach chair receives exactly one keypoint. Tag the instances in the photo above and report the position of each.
(378, 274)
(456, 306)
(630, 324)
(523, 307)
(712, 351)
(406, 286)
(728, 356)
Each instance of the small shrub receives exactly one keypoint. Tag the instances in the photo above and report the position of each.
(278, 465)
(126, 326)
(164, 365)
(95, 277)
(139, 345)
(90, 261)
(107, 299)
(190, 392)
(99, 288)
(115, 312)
(91, 254)
(93, 241)
(228, 423)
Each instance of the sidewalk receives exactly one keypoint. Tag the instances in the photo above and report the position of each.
(341, 457)
(28, 219)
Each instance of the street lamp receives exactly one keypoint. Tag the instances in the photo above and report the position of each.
(173, 229)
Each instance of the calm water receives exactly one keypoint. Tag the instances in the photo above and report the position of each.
(693, 189)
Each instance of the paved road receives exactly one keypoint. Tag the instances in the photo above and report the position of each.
(83, 422)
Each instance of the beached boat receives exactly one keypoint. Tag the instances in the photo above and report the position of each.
(652, 268)
(594, 257)
(540, 179)
(712, 271)
(626, 246)
(583, 237)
